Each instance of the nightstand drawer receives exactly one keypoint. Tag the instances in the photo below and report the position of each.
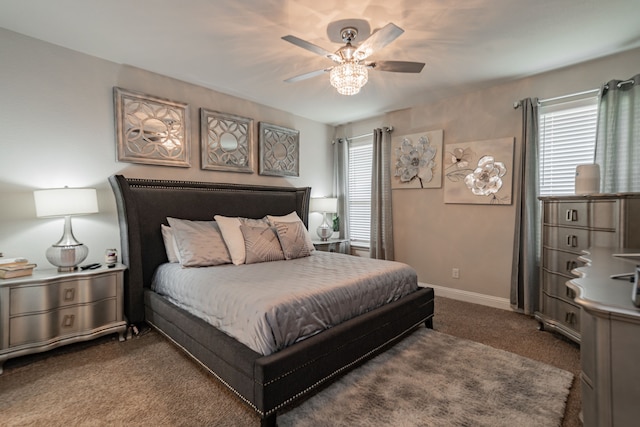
(560, 262)
(565, 313)
(38, 328)
(30, 299)
(556, 285)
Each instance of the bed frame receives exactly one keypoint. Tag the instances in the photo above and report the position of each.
(266, 383)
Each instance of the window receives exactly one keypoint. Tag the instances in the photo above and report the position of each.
(567, 139)
(359, 182)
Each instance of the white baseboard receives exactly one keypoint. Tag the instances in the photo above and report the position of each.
(472, 297)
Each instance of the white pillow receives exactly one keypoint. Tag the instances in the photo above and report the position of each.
(292, 217)
(230, 229)
(170, 243)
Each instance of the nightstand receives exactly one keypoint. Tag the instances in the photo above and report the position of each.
(332, 245)
(49, 309)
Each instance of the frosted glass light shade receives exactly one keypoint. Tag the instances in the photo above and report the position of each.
(65, 201)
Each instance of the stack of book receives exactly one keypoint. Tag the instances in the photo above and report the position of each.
(15, 267)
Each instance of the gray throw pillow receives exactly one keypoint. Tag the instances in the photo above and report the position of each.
(292, 236)
(199, 243)
(261, 244)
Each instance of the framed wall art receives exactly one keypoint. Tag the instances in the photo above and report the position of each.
(226, 142)
(479, 172)
(151, 130)
(416, 160)
(279, 150)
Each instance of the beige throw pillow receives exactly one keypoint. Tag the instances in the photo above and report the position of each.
(261, 244)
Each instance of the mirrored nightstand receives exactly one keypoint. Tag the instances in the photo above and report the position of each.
(332, 245)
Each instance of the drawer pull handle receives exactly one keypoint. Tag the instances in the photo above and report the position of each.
(570, 317)
(572, 215)
(569, 293)
(572, 241)
(69, 294)
(571, 265)
(67, 320)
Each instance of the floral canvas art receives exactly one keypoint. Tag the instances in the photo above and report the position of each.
(479, 172)
(416, 160)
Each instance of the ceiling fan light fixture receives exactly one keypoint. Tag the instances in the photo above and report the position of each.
(349, 77)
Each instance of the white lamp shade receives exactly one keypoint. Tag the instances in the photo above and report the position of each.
(65, 201)
(324, 204)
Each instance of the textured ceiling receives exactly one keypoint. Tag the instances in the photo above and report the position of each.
(235, 46)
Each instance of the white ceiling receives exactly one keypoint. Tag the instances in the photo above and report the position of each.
(235, 46)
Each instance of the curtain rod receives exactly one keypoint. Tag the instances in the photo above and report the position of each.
(365, 135)
(558, 98)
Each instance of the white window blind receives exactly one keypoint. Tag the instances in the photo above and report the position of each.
(567, 139)
(359, 203)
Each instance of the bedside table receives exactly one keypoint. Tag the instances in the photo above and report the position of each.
(332, 245)
(49, 309)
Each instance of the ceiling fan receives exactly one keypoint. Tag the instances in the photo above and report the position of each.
(351, 72)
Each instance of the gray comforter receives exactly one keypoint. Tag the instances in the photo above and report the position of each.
(269, 306)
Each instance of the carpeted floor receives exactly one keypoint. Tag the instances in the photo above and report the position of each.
(86, 375)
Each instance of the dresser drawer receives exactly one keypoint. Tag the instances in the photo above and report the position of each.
(42, 297)
(556, 285)
(570, 239)
(560, 262)
(41, 327)
(565, 313)
(567, 213)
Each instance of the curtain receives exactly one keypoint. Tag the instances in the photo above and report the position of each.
(381, 242)
(618, 136)
(341, 185)
(525, 266)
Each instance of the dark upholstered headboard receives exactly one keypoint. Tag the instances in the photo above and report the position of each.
(144, 204)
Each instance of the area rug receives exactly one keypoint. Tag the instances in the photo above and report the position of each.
(434, 379)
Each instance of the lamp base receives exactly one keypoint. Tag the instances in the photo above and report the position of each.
(324, 230)
(67, 257)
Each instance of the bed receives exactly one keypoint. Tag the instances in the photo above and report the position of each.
(267, 383)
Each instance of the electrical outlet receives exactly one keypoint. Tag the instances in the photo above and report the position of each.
(455, 273)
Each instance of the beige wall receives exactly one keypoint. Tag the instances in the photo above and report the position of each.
(56, 116)
(435, 237)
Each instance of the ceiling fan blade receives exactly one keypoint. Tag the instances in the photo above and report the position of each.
(312, 47)
(307, 75)
(378, 40)
(396, 66)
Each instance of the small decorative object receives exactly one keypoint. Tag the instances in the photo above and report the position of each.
(324, 205)
(151, 130)
(587, 179)
(479, 172)
(67, 253)
(418, 160)
(226, 141)
(111, 256)
(279, 151)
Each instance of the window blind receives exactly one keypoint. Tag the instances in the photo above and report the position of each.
(567, 139)
(359, 203)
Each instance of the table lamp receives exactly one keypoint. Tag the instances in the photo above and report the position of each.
(67, 253)
(324, 205)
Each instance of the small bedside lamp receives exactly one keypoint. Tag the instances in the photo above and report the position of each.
(67, 253)
(325, 205)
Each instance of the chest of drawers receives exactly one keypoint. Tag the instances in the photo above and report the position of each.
(570, 225)
(49, 309)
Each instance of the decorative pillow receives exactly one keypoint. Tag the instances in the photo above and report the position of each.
(169, 243)
(261, 222)
(230, 229)
(261, 244)
(292, 236)
(293, 217)
(199, 243)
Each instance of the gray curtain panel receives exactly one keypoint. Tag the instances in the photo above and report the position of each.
(381, 244)
(341, 185)
(525, 284)
(618, 136)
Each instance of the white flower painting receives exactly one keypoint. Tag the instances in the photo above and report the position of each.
(479, 172)
(416, 160)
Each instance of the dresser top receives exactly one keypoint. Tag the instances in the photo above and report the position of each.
(597, 291)
(597, 196)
